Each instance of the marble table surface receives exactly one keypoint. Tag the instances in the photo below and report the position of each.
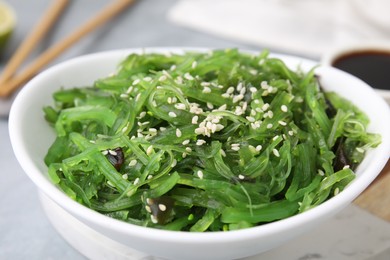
(25, 231)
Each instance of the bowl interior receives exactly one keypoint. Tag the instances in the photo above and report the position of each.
(31, 136)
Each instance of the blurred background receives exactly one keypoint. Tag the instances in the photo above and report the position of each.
(307, 28)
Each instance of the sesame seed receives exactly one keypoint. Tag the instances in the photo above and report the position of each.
(275, 152)
(148, 209)
(149, 177)
(132, 162)
(239, 86)
(180, 106)
(188, 76)
(149, 150)
(172, 114)
(241, 177)
(188, 149)
(360, 150)
(147, 79)
(124, 95)
(105, 152)
(220, 86)
(162, 129)
(235, 148)
(135, 82)
(173, 67)
(206, 90)
(162, 207)
(136, 181)
(270, 114)
(275, 138)
(223, 153)
(125, 176)
(209, 105)
(264, 85)
(178, 132)
(185, 142)
(200, 142)
(265, 107)
(200, 174)
(162, 78)
(230, 90)
(237, 98)
(130, 89)
(282, 123)
(149, 201)
(194, 64)
(174, 162)
(154, 103)
(346, 167)
(194, 120)
(205, 84)
(184, 155)
(321, 172)
(284, 108)
(153, 219)
(256, 101)
(250, 119)
(153, 130)
(336, 191)
(291, 132)
(269, 126)
(253, 89)
(259, 147)
(225, 95)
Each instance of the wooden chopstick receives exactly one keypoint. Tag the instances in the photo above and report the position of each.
(39, 31)
(50, 54)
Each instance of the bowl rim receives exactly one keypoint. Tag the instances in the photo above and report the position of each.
(332, 205)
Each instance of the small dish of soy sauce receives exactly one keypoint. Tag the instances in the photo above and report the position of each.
(370, 62)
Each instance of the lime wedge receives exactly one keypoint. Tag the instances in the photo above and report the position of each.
(7, 22)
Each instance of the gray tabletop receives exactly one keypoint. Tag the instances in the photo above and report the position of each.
(25, 232)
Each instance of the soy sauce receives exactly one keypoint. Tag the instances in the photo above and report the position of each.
(373, 67)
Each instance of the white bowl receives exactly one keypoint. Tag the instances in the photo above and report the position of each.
(335, 53)
(31, 136)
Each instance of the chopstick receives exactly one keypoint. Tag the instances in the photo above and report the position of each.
(40, 30)
(106, 14)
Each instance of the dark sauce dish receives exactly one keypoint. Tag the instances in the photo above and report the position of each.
(370, 63)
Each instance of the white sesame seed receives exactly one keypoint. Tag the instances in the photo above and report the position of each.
(149, 150)
(145, 123)
(223, 153)
(105, 152)
(336, 191)
(360, 150)
(173, 67)
(205, 84)
(220, 86)
(136, 181)
(265, 107)
(153, 130)
(149, 177)
(130, 89)
(112, 152)
(235, 144)
(284, 108)
(225, 95)
(148, 209)
(264, 85)
(162, 78)
(154, 103)
(237, 98)
(270, 114)
(250, 119)
(194, 120)
(291, 132)
(239, 86)
(269, 126)
(135, 82)
(321, 172)
(92, 141)
(153, 219)
(235, 148)
(180, 106)
(346, 167)
(185, 142)
(147, 79)
(253, 89)
(184, 155)
(206, 90)
(282, 123)
(275, 152)
(200, 142)
(188, 76)
(162, 207)
(188, 149)
(172, 114)
(194, 64)
(210, 105)
(178, 132)
(132, 162)
(275, 138)
(241, 177)
(256, 101)
(230, 90)
(124, 95)
(200, 174)
(259, 147)
(125, 176)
